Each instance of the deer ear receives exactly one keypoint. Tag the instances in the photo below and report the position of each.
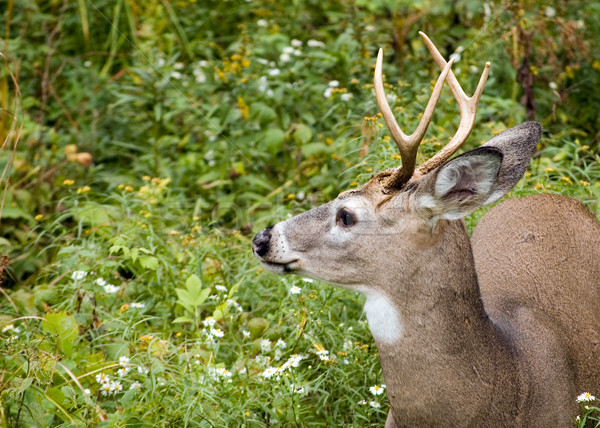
(463, 184)
(481, 176)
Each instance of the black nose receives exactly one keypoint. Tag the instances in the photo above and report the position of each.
(261, 242)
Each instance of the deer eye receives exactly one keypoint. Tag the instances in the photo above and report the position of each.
(345, 218)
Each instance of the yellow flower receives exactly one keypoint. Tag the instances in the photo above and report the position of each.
(129, 188)
(39, 217)
(124, 308)
(584, 183)
(84, 189)
(146, 178)
(566, 179)
(68, 182)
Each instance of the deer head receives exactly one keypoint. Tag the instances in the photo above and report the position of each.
(376, 230)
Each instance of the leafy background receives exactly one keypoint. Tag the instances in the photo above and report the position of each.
(146, 142)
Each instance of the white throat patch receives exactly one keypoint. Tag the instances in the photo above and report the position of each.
(384, 320)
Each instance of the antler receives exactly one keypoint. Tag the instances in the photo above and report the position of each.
(467, 106)
(407, 144)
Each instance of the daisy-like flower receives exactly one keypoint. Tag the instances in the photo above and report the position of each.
(136, 385)
(110, 288)
(309, 280)
(122, 371)
(8, 327)
(269, 372)
(217, 332)
(362, 402)
(220, 287)
(274, 72)
(586, 396)
(87, 392)
(100, 281)
(323, 354)
(78, 275)
(123, 361)
(280, 344)
(374, 404)
(262, 23)
(315, 44)
(105, 389)
(246, 333)
(296, 43)
(295, 290)
(334, 84)
(137, 305)
(265, 345)
(346, 96)
(376, 390)
(209, 322)
(102, 378)
(116, 387)
(142, 370)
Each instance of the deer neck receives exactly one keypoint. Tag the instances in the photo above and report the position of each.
(433, 334)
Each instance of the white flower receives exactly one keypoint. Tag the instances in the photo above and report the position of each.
(136, 385)
(323, 354)
(284, 57)
(246, 333)
(102, 378)
(262, 23)
(586, 396)
(374, 404)
(142, 370)
(209, 322)
(122, 371)
(455, 56)
(100, 281)
(218, 372)
(315, 44)
(87, 64)
(178, 66)
(362, 402)
(116, 387)
(269, 372)
(235, 304)
(296, 43)
(550, 12)
(288, 50)
(161, 62)
(87, 392)
(308, 280)
(7, 328)
(274, 72)
(105, 388)
(346, 97)
(376, 390)
(370, 28)
(109, 288)
(328, 92)
(334, 83)
(176, 75)
(280, 344)
(217, 332)
(137, 305)
(295, 290)
(78, 274)
(123, 361)
(553, 85)
(265, 345)
(220, 287)
(294, 360)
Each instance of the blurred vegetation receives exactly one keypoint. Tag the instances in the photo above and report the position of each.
(145, 142)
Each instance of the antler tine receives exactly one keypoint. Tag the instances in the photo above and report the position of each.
(407, 144)
(467, 106)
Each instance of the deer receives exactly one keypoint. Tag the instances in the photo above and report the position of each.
(500, 329)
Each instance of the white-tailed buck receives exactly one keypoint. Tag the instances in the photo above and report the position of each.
(500, 330)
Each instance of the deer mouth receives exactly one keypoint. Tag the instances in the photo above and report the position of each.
(281, 268)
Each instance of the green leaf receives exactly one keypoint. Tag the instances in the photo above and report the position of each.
(302, 134)
(149, 262)
(65, 326)
(181, 320)
(193, 284)
(314, 149)
(272, 139)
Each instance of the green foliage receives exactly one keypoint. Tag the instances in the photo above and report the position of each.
(146, 141)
